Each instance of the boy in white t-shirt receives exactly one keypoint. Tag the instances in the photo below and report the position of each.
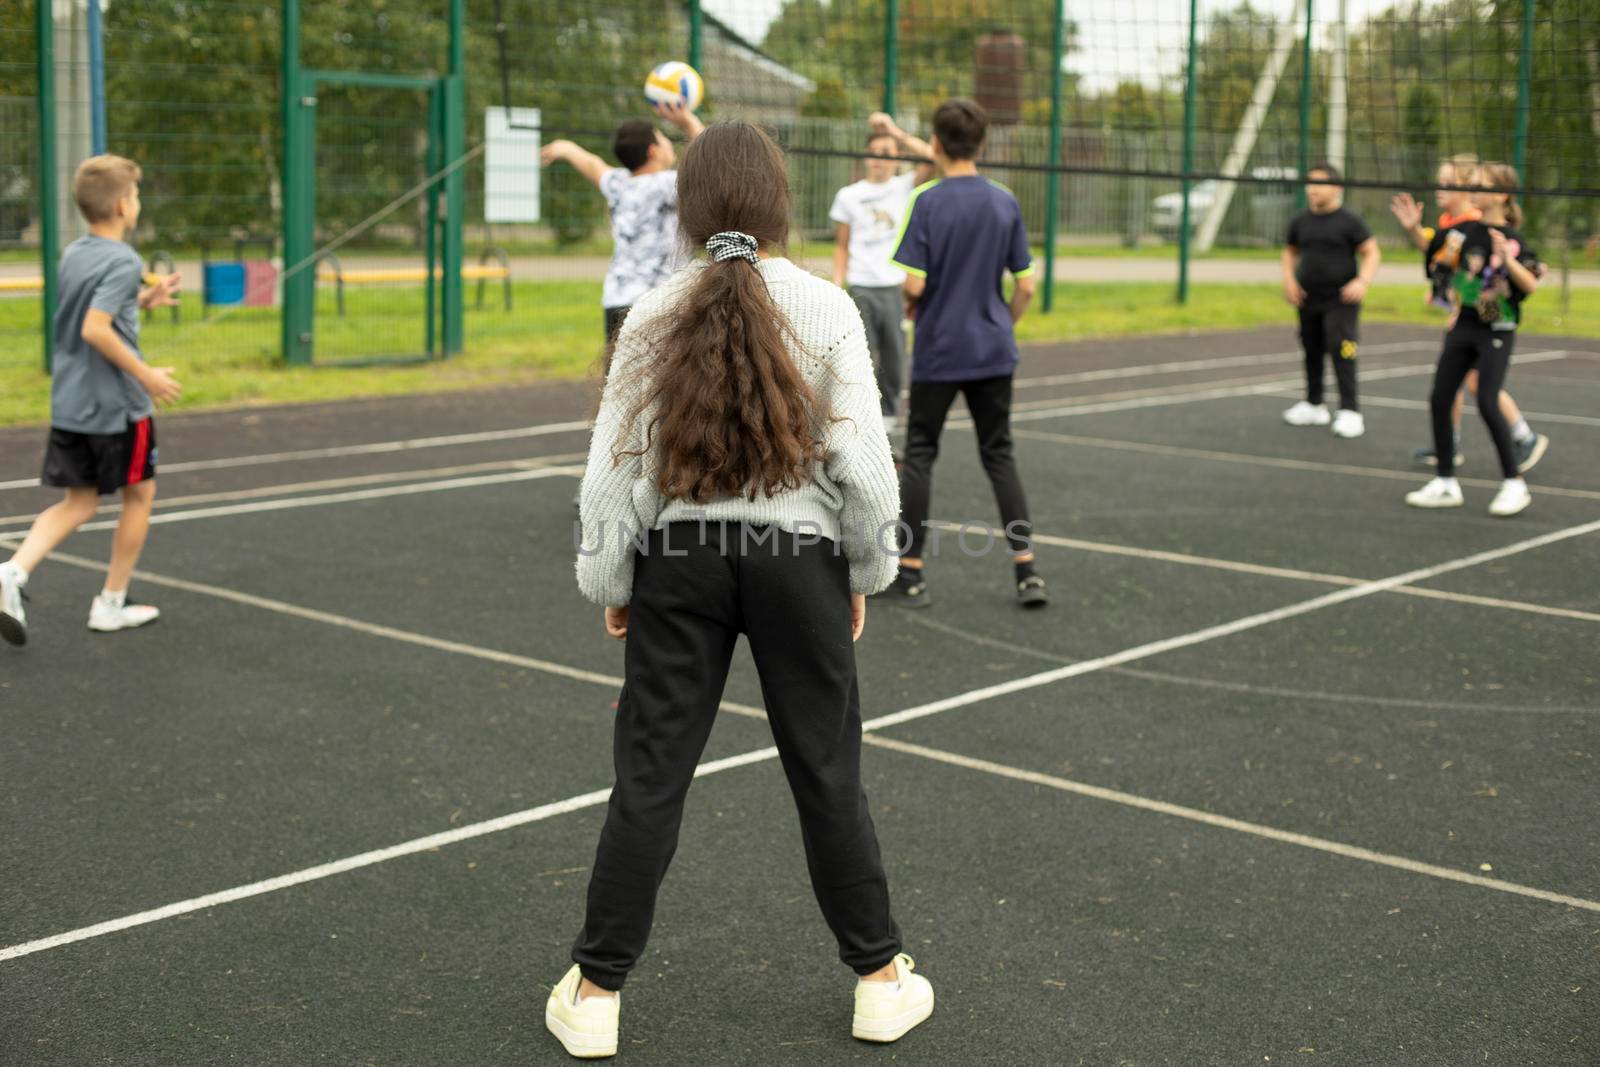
(643, 197)
(867, 217)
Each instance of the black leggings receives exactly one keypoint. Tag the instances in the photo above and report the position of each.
(1472, 346)
(696, 588)
(989, 403)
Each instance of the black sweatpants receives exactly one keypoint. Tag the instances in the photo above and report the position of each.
(1331, 331)
(1472, 345)
(989, 402)
(696, 588)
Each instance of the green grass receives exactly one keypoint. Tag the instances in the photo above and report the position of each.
(553, 332)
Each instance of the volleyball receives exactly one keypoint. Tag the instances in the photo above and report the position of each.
(674, 81)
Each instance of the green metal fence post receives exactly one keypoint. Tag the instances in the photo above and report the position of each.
(1053, 190)
(891, 54)
(1524, 91)
(49, 180)
(455, 186)
(430, 288)
(1304, 155)
(696, 33)
(1188, 156)
(300, 289)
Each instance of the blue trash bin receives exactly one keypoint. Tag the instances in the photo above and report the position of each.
(223, 283)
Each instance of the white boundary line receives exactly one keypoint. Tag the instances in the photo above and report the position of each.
(516, 433)
(882, 722)
(1223, 822)
(1279, 462)
(1213, 563)
(335, 451)
(167, 503)
(1145, 370)
(162, 517)
(1422, 405)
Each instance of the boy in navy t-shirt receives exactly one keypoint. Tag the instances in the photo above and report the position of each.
(961, 234)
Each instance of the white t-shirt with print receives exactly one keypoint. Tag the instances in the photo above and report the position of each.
(644, 232)
(873, 211)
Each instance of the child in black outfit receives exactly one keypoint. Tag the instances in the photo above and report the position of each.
(1496, 271)
(1321, 279)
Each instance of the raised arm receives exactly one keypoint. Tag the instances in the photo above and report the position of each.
(581, 159)
(1408, 213)
(882, 123)
(680, 116)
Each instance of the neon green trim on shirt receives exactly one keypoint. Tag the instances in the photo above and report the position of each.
(1024, 272)
(906, 221)
(909, 270)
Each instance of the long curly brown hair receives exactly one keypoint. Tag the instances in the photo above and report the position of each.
(730, 413)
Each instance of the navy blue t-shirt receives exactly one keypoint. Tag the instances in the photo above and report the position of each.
(961, 235)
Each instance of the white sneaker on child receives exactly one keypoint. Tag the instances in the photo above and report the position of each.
(1512, 498)
(887, 1011)
(586, 1028)
(13, 620)
(1438, 493)
(1306, 413)
(1349, 423)
(107, 615)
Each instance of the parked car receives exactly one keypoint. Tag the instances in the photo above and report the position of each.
(1258, 214)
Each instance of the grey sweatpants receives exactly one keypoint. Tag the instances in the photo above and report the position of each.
(883, 309)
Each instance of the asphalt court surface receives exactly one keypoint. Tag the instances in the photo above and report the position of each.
(372, 635)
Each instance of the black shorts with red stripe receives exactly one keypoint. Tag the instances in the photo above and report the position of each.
(105, 461)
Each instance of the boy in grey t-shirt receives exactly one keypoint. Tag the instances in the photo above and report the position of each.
(102, 397)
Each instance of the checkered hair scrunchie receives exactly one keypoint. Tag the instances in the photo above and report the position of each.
(733, 245)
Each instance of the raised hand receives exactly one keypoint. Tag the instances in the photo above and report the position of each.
(160, 295)
(1406, 211)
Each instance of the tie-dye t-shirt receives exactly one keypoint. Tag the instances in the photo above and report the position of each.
(1473, 280)
(644, 232)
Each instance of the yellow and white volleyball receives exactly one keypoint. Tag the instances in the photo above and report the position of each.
(674, 81)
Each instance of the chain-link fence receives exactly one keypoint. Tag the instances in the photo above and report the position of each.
(1104, 111)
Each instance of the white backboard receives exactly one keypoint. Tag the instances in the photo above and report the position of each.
(511, 165)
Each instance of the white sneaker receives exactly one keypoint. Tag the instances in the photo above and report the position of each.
(1438, 493)
(1349, 423)
(586, 1028)
(887, 1011)
(1306, 413)
(107, 616)
(13, 620)
(1512, 498)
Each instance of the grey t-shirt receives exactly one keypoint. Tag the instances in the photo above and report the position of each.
(88, 394)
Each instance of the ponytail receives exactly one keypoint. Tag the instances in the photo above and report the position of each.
(731, 415)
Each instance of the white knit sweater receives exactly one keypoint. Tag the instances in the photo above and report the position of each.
(853, 497)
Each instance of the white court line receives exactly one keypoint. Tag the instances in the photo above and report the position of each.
(376, 448)
(1422, 405)
(166, 503)
(1279, 462)
(346, 498)
(1178, 395)
(882, 722)
(481, 437)
(1144, 370)
(1223, 822)
(1298, 575)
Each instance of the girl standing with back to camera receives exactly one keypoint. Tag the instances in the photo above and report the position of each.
(740, 411)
